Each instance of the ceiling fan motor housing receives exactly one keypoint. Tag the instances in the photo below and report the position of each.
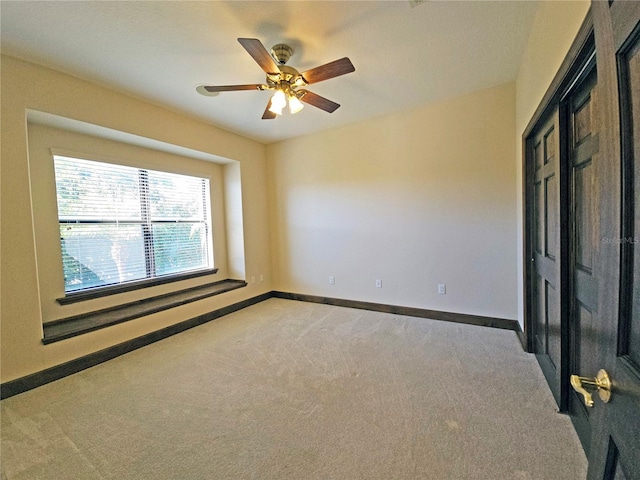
(281, 53)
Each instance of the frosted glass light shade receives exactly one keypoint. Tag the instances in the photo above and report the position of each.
(295, 105)
(278, 102)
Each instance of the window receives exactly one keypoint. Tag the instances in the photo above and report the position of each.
(122, 224)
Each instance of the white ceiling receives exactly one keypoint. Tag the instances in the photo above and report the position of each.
(406, 54)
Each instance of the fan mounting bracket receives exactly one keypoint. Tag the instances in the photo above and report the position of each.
(281, 53)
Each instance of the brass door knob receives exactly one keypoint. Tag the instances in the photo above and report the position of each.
(602, 383)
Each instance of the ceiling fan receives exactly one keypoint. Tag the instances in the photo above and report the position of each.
(285, 80)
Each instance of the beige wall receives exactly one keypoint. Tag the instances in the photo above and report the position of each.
(415, 199)
(555, 26)
(26, 86)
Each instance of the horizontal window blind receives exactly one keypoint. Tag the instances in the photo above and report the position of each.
(120, 224)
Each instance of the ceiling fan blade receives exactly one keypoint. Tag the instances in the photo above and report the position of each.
(318, 101)
(328, 70)
(268, 114)
(230, 88)
(255, 48)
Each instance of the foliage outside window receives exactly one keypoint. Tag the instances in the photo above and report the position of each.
(122, 224)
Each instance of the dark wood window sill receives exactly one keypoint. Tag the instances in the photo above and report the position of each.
(88, 322)
(99, 292)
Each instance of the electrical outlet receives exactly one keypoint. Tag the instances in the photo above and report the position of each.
(332, 280)
(253, 279)
(261, 277)
(378, 283)
(442, 289)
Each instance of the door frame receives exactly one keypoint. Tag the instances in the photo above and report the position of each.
(570, 73)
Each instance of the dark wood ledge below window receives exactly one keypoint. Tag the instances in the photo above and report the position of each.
(88, 322)
(90, 294)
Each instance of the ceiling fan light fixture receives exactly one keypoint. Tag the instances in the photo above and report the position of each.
(284, 80)
(278, 102)
(276, 110)
(295, 105)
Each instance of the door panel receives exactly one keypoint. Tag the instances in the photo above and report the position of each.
(553, 330)
(551, 216)
(583, 185)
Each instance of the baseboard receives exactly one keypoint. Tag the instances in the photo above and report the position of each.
(522, 337)
(20, 385)
(43, 377)
(502, 323)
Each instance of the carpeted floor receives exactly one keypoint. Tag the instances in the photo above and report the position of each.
(292, 390)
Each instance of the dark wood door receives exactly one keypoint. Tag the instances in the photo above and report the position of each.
(581, 108)
(615, 440)
(545, 264)
(564, 153)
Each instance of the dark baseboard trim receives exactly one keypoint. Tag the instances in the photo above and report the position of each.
(43, 377)
(523, 338)
(29, 382)
(502, 323)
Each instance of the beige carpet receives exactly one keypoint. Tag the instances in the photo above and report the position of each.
(292, 390)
